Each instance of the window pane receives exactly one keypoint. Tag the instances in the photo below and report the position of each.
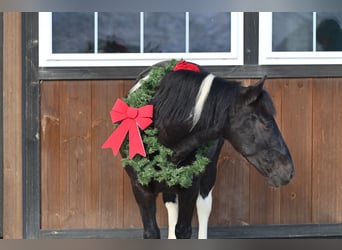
(209, 32)
(72, 32)
(329, 33)
(164, 32)
(119, 32)
(292, 32)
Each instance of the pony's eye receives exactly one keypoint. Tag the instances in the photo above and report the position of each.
(268, 125)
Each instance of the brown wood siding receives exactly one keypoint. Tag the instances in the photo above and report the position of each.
(12, 126)
(84, 186)
(327, 151)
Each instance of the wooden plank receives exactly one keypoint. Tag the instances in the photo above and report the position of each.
(50, 153)
(75, 151)
(12, 126)
(297, 131)
(109, 190)
(300, 231)
(231, 191)
(251, 32)
(264, 201)
(327, 151)
(243, 71)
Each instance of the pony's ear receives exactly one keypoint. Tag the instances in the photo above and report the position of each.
(251, 93)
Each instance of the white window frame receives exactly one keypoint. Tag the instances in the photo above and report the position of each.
(269, 57)
(49, 59)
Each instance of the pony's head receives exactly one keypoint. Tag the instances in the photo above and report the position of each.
(254, 133)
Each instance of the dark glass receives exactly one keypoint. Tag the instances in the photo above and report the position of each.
(119, 32)
(292, 31)
(72, 32)
(329, 32)
(164, 32)
(209, 32)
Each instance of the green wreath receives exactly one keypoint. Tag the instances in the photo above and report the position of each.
(145, 167)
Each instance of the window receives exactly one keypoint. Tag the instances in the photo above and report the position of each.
(139, 39)
(300, 38)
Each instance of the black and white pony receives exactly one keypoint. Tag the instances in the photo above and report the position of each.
(191, 109)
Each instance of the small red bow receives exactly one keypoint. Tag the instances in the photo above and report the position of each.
(184, 65)
(131, 118)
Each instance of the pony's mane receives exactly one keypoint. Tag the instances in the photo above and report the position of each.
(175, 99)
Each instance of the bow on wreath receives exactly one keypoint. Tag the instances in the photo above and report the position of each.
(131, 118)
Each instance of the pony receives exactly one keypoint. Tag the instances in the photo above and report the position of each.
(192, 108)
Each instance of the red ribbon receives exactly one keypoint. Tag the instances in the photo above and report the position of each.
(132, 119)
(184, 65)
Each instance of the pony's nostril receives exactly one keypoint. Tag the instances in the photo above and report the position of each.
(284, 182)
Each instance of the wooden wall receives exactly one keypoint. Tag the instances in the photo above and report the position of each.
(84, 186)
(12, 126)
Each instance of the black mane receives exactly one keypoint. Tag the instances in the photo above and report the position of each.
(175, 100)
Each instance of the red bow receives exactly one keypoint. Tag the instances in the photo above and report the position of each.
(131, 118)
(184, 65)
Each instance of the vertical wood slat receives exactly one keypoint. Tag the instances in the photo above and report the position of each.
(327, 151)
(231, 191)
(75, 149)
(296, 198)
(12, 126)
(110, 173)
(50, 156)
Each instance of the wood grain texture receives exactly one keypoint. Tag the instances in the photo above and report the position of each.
(327, 151)
(88, 188)
(12, 126)
(296, 111)
(50, 156)
(231, 191)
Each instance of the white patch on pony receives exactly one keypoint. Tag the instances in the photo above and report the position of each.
(172, 212)
(138, 84)
(201, 98)
(203, 212)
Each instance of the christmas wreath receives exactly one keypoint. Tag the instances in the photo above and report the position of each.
(158, 165)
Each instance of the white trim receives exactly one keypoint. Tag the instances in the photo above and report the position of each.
(314, 23)
(142, 31)
(49, 59)
(268, 57)
(187, 32)
(96, 32)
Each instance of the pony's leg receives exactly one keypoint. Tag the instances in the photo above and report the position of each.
(203, 205)
(204, 199)
(186, 200)
(171, 204)
(147, 205)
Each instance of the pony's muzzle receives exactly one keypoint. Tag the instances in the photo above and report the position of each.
(281, 176)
